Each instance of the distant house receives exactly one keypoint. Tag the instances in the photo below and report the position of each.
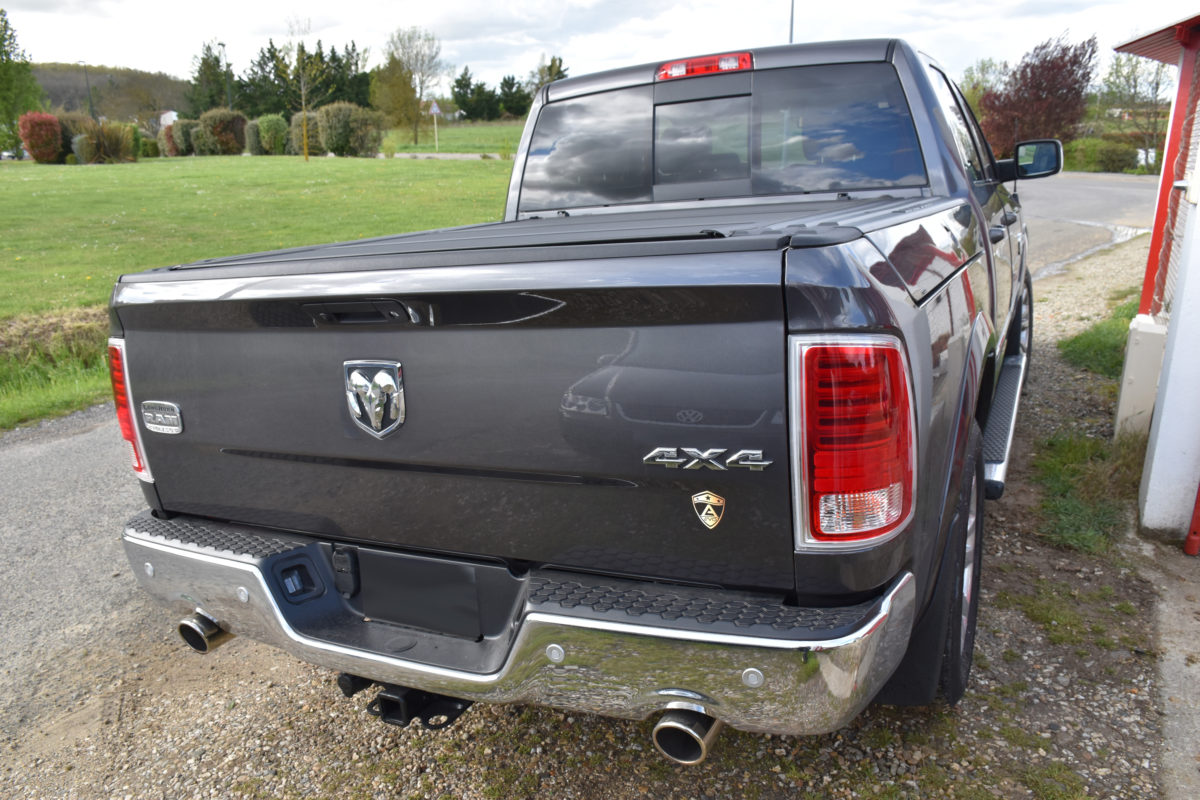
(167, 118)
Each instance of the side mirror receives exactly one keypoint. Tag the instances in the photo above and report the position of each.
(1037, 158)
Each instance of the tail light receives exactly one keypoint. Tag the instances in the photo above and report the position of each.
(121, 398)
(853, 441)
(705, 65)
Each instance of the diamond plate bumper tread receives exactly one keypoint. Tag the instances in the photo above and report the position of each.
(682, 607)
(218, 537)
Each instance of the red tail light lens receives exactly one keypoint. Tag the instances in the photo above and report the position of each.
(707, 65)
(858, 452)
(120, 387)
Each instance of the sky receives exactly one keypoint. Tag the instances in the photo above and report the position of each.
(495, 38)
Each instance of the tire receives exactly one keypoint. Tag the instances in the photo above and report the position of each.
(1020, 332)
(940, 649)
(967, 543)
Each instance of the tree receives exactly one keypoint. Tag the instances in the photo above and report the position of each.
(393, 94)
(263, 87)
(308, 77)
(1045, 96)
(208, 81)
(985, 75)
(546, 72)
(514, 98)
(1135, 89)
(473, 98)
(419, 52)
(19, 92)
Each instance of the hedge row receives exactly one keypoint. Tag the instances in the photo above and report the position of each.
(77, 138)
(344, 129)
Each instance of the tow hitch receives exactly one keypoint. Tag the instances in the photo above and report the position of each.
(400, 705)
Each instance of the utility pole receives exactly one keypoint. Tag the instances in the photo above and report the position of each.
(228, 89)
(88, 84)
(792, 23)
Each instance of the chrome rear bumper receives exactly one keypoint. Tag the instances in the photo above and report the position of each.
(597, 665)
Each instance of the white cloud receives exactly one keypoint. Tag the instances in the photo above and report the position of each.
(496, 39)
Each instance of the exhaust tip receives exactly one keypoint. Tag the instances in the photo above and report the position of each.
(686, 737)
(202, 633)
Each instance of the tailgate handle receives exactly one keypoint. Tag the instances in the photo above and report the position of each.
(370, 312)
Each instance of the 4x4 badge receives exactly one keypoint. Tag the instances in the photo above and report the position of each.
(375, 395)
(709, 508)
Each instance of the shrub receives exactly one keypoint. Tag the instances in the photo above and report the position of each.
(149, 148)
(71, 160)
(273, 133)
(1100, 155)
(333, 127)
(228, 129)
(104, 143)
(73, 124)
(295, 134)
(182, 133)
(83, 148)
(366, 132)
(166, 141)
(253, 142)
(42, 136)
(204, 142)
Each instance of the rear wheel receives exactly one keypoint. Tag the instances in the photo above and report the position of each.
(938, 660)
(967, 541)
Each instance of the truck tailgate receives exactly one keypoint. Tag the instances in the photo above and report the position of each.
(530, 403)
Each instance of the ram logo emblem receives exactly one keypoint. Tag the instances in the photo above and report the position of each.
(375, 395)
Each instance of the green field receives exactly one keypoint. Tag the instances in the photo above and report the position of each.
(68, 232)
(470, 137)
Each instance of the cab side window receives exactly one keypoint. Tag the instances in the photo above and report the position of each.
(960, 127)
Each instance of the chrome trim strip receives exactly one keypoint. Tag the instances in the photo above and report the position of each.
(610, 668)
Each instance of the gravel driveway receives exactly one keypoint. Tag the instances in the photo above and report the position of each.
(98, 699)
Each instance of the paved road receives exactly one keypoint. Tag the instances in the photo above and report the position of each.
(1072, 214)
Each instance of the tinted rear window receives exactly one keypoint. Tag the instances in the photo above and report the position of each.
(836, 127)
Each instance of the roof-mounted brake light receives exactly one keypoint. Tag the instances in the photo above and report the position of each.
(706, 65)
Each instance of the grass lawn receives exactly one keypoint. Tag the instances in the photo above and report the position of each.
(67, 233)
(462, 137)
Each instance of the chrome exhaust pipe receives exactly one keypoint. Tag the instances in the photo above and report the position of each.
(686, 736)
(202, 633)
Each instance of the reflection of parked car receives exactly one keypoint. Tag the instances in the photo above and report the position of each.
(663, 387)
(7, 155)
(776, 302)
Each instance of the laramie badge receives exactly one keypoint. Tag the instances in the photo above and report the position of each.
(709, 508)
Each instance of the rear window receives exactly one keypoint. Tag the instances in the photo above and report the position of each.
(835, 127)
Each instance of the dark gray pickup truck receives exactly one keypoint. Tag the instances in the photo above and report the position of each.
(701, 429)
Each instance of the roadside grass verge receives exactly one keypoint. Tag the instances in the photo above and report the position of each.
(1101, 348)
(1088, 483)
(52, 364)
(461, 137)
(69, 232)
